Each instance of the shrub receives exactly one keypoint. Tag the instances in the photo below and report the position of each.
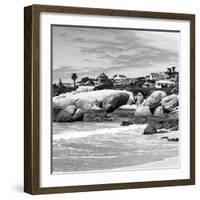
(59, 89)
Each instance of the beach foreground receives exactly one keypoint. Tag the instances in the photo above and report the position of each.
(113, 130)
(168, 163)
(86, 147)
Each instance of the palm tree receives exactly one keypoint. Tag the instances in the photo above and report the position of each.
(173, 69)
(74, 77)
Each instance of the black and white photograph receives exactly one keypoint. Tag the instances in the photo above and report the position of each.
(115, 99)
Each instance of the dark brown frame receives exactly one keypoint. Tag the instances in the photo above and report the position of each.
(32, 104)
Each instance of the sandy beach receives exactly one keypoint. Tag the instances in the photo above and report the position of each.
(168, 163)
(83, 147)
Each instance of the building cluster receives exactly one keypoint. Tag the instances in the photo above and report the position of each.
(163, 79)
(154, 80)
(117, 79)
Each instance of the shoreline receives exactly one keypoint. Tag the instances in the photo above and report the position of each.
(167, 163)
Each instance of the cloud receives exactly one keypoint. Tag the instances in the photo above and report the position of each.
(89, 51)
(63, 34)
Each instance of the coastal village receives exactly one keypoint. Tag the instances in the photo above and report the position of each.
(157, 80)
(161, 80)
(152, 99)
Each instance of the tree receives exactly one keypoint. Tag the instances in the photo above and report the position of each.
(173, 69)
(74, 77)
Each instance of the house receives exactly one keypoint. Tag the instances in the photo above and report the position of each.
(164, 84)
(131, 80)
(153, 76)
(162, 76)
(119, 79)
(157, 76)
(102, 78)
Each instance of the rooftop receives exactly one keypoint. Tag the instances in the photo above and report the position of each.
(102, 75)
(119, 76)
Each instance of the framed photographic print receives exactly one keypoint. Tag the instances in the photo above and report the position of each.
(109, 99)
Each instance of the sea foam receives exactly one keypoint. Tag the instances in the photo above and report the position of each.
(131, 129)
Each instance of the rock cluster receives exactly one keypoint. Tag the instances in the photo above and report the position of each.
(159, 111)
(169, 122)
(84, 106)
(157, 104)
(170, 139)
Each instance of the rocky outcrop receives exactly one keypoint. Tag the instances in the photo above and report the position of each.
(78, 106)
(143, 111)
(78, 115)
(150, 129)
(158, 104)
(110, 103)
(107, 105)
(154, 100)
(126, 123)
(65, 114)
(159, 111)
(169, 121)
(170, 139)
(170, 102)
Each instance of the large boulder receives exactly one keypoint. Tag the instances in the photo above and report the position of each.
(92, 97)
(168, 121)
(126, 123)
(86, 107)
(63, 100)
(170, 102)
(114, 101)
(150, 129)
(55, 110)
(143, 111)
(95, 107)
(159, 111)
(81, 102)
(66, 105)
(78, 115)
(66, 114)
(131, 99)
(154, 100)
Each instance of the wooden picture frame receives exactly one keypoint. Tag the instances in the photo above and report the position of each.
(32, 104)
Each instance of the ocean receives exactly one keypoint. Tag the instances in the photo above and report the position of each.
(92, 146)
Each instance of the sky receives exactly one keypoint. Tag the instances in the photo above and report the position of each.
(89, 51)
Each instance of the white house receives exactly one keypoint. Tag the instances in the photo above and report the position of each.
(164, 83)
(152, 76)
(119, 79)
(156, 76)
